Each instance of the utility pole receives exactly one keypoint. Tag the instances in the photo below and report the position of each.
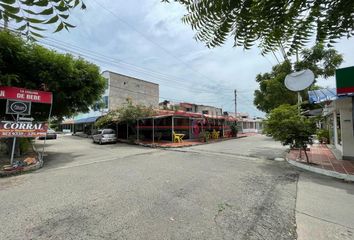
(6, 22)
(235, 103)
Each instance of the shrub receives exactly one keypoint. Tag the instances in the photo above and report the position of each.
(287, 125)
(323, 135)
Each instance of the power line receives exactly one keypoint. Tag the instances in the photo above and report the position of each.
(147, 94)
(195, 90)
(101, 58)
(222, 97)
(148, 39)
(235, 103)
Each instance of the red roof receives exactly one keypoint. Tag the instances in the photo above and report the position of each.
(191, 114)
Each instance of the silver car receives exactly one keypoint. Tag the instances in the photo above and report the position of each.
(51, 134)
(105, 136)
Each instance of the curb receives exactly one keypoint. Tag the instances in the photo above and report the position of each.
(25, 169)
(155, 145)
(325, 172)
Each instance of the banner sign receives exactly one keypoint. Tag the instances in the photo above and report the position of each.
(18, 107)
(23, 94)
(22, 129)
(345, 81)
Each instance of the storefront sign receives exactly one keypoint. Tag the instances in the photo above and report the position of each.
(345, 80)
(23, 94)
(18, 107)
(23, 129)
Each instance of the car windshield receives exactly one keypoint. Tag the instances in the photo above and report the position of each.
(108, 131)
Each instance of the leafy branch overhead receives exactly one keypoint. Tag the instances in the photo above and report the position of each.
(272, 24)
(31, 16)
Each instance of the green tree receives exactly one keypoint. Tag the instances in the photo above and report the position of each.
(31, 16)
(269, 23)
(128, 113)
(285, 124)
(76, 84)
(272, 91)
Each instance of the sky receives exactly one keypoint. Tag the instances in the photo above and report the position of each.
(147, 39)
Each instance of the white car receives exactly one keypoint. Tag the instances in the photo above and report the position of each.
(51, 134)
(105, 136)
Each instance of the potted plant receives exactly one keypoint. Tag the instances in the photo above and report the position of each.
(323, 136)
(204, 136)
(234, 130)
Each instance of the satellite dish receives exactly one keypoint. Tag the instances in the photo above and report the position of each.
(300, 80)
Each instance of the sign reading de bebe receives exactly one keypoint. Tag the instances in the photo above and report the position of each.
(22, 129)
(18, 107)
(23, 94)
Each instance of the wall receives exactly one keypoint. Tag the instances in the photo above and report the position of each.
(337, 144)
(251, 125)
(213, 111)
(122, 87)
(345, 109)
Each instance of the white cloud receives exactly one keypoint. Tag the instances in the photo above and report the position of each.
(150, 34)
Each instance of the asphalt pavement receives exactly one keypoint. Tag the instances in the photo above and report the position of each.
(228, 190)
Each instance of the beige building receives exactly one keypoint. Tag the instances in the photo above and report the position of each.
(121, 87)
(340, 123)
(248, 124)
(191, 107)
(339, 111)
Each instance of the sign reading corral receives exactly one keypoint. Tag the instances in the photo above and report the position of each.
(23, 129)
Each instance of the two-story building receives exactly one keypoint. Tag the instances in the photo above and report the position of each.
(338, 111)
(192, 108)
(119, 88)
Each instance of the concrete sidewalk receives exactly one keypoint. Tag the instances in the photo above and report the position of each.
(322, 161)
(324, 208)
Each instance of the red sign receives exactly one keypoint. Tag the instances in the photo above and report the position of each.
(22, 129)
(25, 94)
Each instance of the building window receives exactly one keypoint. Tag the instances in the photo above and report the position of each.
(106, 83)
(339, 130)
(105, 100)
(101, 105)
(205, 112)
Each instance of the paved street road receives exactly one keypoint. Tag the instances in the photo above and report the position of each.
(228, 190)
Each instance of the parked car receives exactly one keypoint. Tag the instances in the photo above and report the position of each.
(51, 134)
(105, 136)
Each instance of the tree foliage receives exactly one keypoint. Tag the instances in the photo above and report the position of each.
(128, 112)
(31, 16)
(76, 84)
(272, 91)
(290, 24)
(322, 61)
(285, 124)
